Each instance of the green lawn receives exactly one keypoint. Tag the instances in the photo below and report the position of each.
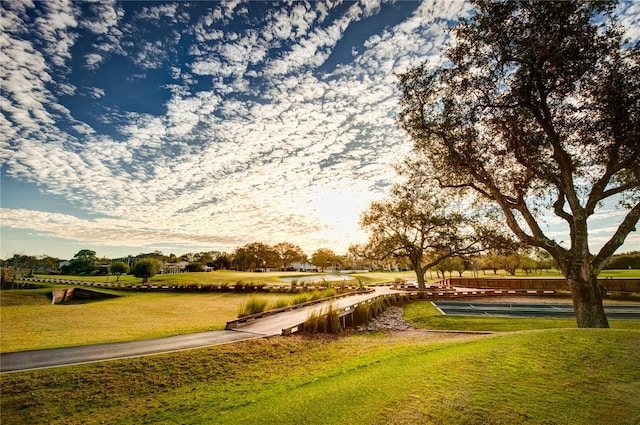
(231, 277)
(384, 277)
(29, 321)
(218, 277)
(544, 373)
(558, 376)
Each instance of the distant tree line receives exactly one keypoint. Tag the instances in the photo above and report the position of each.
(255, 256)
(629, 260)
(259, 257)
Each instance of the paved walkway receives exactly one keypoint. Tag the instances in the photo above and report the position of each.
(265, 327)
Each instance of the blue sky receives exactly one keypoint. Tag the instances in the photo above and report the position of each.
(135, 126)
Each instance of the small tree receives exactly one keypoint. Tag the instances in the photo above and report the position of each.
(145, 269)
(322, 258)
(194, 267)
(84, 261)
(288, 253)
(460, 265)
(424, 225)
(119, 268)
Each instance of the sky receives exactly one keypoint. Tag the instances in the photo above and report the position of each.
(137, 126)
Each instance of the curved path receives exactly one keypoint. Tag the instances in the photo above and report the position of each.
(265, 327)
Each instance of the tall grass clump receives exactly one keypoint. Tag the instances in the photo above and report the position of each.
(362, 314)
(252, 306)
(301, 298)
(280, 303)
(333, 321)
(313, 296)
(314, 323)
(324, 321)
(326, 293)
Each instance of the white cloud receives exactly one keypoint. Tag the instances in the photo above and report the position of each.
(275, 151)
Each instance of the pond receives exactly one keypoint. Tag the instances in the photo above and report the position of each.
(316, 278)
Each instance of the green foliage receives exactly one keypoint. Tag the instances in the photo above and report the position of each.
(119, 268)
(194, 267)
(280, 303)
(361, 315)
(570, 377)
(324, 321)
(626, 261)
(145, 269)
(534, 109)
(301, 298)
(253, 306)
(323, 257)
(85, 261)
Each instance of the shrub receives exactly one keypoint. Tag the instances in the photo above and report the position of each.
(252, 306)
(280, 303)
(362, 314)
(324, 321)
(330, 292)
(194, 267)
(333, 321)
(119, 268)
(301, 298)
(145, 269)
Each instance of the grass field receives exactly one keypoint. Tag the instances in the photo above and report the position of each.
(533, 371)
(230, 277)
(28, 321)
(218, 277)
(536, 377)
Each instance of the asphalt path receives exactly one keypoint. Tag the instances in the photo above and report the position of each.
(39, 359)
(265, 327)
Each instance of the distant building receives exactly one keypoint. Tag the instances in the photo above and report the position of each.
(173, 268)
(304, 267)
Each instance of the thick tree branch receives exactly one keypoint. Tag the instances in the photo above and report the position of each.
(627, 226)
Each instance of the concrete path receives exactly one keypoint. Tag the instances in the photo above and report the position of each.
(265, 327)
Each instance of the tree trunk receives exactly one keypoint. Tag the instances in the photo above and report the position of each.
(587, 299)
(420, 278)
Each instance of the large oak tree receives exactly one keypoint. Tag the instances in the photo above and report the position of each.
(537, 109)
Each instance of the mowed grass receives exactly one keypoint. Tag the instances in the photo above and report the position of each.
(28, 321)
(218, 277)
(562, 376)
(383, 277)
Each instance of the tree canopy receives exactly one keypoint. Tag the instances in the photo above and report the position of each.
(118, 268)
(425, 225)
(145, 269)
(537, 110)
